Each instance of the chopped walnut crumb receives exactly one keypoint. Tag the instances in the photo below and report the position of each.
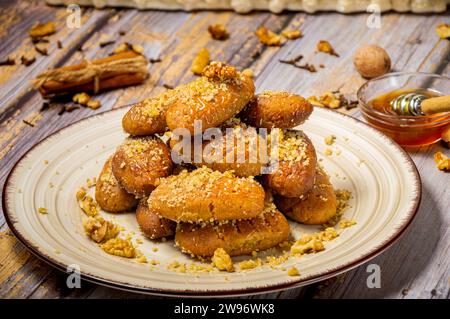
(81, 98)
(325, 47)
(345, 223)
(218, 32)
(200, 62)
(330, 100)
(93, 104)
(220, 71)
(87, 204)
(293, 272)
(222, 261)
(119, 247)
(250, 264)
(442, 161)
(443, 31)
(91, 182)
(292, 146)
(42, 29)
(141, 259)
(291, 34)
(342, 197)
(99, 229)
(329, 140)
(314, 242)
(268, 37)
(42, 210)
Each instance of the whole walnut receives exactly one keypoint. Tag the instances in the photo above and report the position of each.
(372, 61)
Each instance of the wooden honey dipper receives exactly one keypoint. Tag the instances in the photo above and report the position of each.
(418, 105)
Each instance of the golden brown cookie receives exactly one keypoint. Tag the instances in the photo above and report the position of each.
(221, 93)
(204, 195)
(315, 208)
(240, 149)
(151, 224)
(235, 237)
(139, 162)
(109, 195)
(148, 116)
(296, 169)
(276, 109)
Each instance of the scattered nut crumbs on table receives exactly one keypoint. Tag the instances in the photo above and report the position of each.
(268, 37)
(218, 32)
(332, 100)
(325, 47)
(291, 34)
(41, 30)
(442, 161)
(85, 99)
(443, 31)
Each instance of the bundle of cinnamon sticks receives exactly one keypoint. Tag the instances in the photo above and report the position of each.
(118, 70)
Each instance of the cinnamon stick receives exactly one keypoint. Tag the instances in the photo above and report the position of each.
(119, 70)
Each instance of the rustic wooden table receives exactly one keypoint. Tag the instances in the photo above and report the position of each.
(417, 266)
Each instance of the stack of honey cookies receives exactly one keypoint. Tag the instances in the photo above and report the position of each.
(206, 202)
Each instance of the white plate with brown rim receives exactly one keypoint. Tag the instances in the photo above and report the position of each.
(364, 161)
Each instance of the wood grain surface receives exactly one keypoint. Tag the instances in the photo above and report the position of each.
(417, 266)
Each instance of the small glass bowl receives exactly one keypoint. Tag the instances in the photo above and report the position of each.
(405, 130)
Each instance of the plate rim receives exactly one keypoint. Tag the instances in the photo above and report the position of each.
(411, 214)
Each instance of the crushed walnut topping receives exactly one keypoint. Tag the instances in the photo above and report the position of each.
(41, 30)
(85, 100)
(345, 223)
(277, 260)
(179, 186)
(176, 266)
(81, 98)
(87, 203)
(311, 243)
(220, 71)
(325, 47)
(222, 261)
(293, 272)
(343, 197)
(119, 247)
(268, 37)
(250, 264)
(218, 32)
(442, 161)
(200, 62)
(332, 100)
(443, 31)
(99, 229)
(291, 34)
(329, 140)
(292, 147)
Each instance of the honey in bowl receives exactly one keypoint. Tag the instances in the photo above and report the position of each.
(382, 103)
(405, 130)
(375, 95)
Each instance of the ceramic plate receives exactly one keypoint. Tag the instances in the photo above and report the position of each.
(382, 178)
